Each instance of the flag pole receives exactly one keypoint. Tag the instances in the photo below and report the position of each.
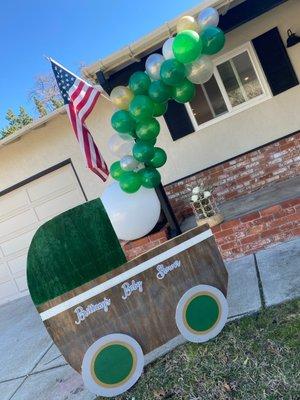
(167, 209)
(103, 93)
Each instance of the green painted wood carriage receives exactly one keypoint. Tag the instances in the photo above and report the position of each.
(109, 317)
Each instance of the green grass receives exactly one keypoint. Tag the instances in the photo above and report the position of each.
(253, 358)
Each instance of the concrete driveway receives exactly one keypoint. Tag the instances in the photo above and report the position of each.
(32, 368)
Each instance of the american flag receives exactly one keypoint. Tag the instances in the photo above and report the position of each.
(80, 99)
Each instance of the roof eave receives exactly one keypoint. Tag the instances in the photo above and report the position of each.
(32, 126)
(146, 44)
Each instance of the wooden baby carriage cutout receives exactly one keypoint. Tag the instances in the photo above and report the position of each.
(108, 316)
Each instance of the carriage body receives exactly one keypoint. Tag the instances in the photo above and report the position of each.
(147, 300)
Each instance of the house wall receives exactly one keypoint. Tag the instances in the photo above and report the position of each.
(268, 121)
(49, 145)
(248, 129)
(244, 174)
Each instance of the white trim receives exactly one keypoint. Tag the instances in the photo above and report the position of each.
(115, 390)
(102, 287)
(266, 95)
(201, 337)
(118, 60)
(39, 122)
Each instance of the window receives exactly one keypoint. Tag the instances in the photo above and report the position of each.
(237, 83)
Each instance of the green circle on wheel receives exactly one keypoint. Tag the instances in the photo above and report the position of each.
(202, 313)
(113, 364)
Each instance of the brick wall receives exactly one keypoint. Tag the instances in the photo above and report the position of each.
(258, 230)
(245, 174)
(241, 236)
(134, 248)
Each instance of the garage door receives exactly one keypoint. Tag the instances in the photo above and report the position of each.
(22, 211)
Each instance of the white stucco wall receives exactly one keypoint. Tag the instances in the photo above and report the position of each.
(272, 119)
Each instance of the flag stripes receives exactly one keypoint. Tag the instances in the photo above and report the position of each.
(80, 99)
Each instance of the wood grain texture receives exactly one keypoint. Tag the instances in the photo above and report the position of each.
(147, 316)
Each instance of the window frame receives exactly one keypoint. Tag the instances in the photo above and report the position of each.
(266, 95)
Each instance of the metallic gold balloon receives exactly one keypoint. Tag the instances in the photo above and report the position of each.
(187, 23)
(121, 96)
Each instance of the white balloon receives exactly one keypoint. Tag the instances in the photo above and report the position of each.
(118, 147)
(126, 148)
(129, 163)
(132, 215)
(208, 16)
(167, 49)
(200, 70)
(125, 136)
(153, 64)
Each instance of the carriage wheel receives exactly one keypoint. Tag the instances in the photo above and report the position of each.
(112, 365)
(201, 313)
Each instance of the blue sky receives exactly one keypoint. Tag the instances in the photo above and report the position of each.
(72, 32)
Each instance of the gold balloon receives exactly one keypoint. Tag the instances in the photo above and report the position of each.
(187, 23)
(121, 96)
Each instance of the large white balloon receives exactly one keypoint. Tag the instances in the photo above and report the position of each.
(119, 147)
(132, 215)
(200, 70)
(167, 49)
(153, 64)
(208, 16)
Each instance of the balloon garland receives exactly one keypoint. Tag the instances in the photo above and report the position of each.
(173, 75)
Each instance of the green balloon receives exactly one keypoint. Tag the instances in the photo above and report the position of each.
(147, 129)
(187, 46)
(151, 141)
(159, 109)
(184, 92)
(130, 182)
(159, 92)
(213, 40)
(143, 151)
(141, 107)
(150, 177)
(172, 72)
(116, 171)
(159, 159)
(123, 122)
(139, 82)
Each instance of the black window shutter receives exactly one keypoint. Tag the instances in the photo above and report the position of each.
(176, 117)
(178, 120)
(275, 61)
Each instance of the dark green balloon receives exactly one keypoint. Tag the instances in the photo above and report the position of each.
(141, 107)
(159, 109)
(139, 82)
(130, 182)
(172, 72)
(123, 122)
(159, 92)
(184, 92)
(151, 141)
(187, 46)
(147, 129)
(150, 177)
(143, 151)
(159, 159)
(116, 171)
(213, 40)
